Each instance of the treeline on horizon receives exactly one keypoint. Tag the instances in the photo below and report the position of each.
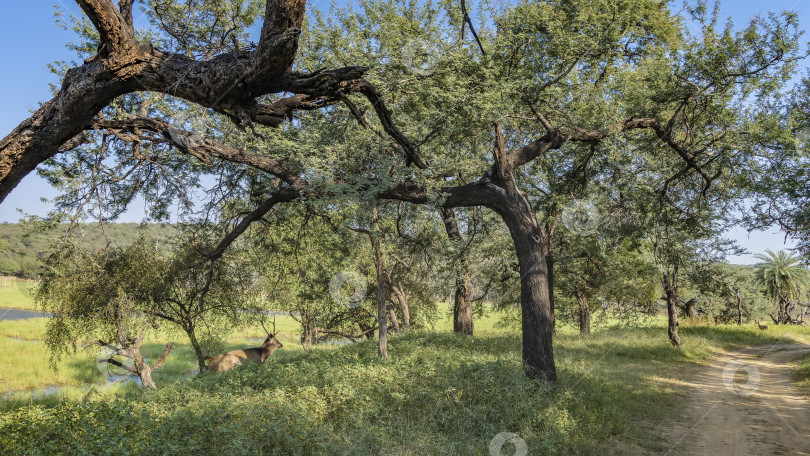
(22, 250)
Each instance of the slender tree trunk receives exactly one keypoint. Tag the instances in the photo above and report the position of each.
(550, 267)
(195, 345)
(670, 282)
(689, 308)
(306, 330)
(584, 312)
(133, 352)
(462, 303)
(739, 306)
(382, 347)
(402, 299)
(392, 315)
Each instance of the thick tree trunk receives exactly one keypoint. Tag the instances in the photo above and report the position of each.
(537, 325)
(462, 302)
(462, 306)
(739, 306)
(143, 370)
(382, 331)
(670, 282)
(39, 137)
(584, 312)
(228, 83)
(783, 313)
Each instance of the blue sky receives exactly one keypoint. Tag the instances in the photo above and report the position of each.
(31, 40)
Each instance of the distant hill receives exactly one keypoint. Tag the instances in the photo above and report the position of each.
(20, 254)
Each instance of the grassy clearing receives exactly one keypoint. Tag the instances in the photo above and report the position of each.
(439, 394)
(25, 364)
(23, 339)
(16, 293)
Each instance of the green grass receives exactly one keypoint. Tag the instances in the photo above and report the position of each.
(802, 375)
(439, 394)
(16, 293)
(23, 339)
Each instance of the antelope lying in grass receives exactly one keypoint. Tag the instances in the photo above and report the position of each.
(761, 327)
(225, 361)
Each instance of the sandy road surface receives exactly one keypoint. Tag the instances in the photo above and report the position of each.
(743, 403)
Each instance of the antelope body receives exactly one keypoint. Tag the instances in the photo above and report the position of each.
(761, 327)
(225, 361)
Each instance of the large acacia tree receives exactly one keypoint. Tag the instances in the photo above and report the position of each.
(575, 76)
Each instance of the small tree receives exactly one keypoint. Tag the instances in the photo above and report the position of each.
(783, 278)
(309, 267)
(204, 298)
(106, 297)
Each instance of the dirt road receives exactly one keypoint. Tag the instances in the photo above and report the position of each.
(744, 404)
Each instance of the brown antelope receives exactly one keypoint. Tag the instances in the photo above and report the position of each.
(225, 361)
(761, 327)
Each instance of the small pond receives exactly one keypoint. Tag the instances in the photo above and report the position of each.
(19, 314)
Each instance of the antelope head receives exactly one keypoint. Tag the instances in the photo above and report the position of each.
(271, 343)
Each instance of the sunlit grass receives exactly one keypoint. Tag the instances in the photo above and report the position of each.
(16, 293)
(25, 360)
(440, 393)
(22, 340)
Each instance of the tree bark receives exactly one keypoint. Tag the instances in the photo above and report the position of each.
(462, 305)
(402, 302)
(670, 283)
(132, 350)
(462, 302)
(392, 315)
(584, 312)
(195, 345)
(689, 308)
(550, 267)
(143, 370)
(306, 330)
(739, 306)
(382, 345)
(228, 83)
(537, 326)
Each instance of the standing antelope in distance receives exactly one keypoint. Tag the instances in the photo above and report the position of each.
(761, 327)
(225, 361)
